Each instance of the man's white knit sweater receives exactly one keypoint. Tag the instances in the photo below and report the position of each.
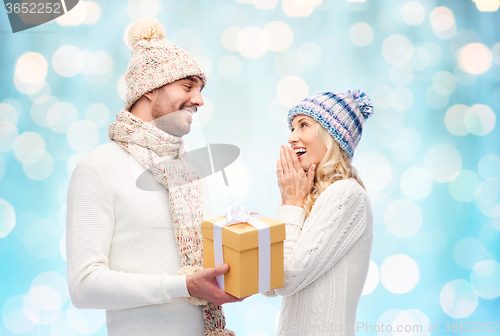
(121, 249)
(326, 262)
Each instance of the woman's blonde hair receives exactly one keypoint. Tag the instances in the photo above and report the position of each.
(335, 165)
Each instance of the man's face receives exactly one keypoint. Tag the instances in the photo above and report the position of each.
(174, 105)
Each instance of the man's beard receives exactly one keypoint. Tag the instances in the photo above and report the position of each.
(169, 122)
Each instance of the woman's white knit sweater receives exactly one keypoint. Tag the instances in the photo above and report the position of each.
(326, 262)
(121, 251)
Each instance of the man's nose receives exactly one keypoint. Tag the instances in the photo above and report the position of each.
(197, 99)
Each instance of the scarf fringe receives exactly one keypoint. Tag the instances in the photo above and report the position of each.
(220, 332)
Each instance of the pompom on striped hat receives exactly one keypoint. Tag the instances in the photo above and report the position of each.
(155, 60)
(343, 115)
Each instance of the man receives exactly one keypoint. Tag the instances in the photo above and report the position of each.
(136, 252)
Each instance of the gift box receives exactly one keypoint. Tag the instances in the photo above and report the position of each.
(240, 249)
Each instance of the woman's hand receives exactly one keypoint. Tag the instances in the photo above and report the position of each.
(293, 182)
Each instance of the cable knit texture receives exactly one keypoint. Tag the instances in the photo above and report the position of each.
(326, 262)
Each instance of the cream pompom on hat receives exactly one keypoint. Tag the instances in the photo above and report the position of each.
(155, 60)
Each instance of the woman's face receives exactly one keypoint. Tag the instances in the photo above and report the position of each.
(304, 141)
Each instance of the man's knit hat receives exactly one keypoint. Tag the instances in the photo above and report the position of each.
(155, 61)
(341, 114)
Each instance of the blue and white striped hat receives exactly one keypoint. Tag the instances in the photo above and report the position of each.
(341, 114)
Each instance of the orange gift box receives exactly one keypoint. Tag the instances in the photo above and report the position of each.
(240, 246)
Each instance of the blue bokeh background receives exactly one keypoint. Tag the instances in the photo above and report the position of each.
(430, 155)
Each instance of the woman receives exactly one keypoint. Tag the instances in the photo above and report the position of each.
(328, 216)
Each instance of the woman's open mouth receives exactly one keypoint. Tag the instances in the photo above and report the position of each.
(301, 151)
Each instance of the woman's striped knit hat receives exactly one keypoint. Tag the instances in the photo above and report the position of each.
(341, 114)
(155, 60)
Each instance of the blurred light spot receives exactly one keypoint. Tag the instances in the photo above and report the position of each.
(29, 147)
(443, 23)
(413, 13)
(435, 52)
(8, 136)
(372, 279)
(25, 88)
(83, 136)
(14, 315)
(279, 34)
(236, 15)
(49, 301)
(74, 17)
(287, 63)
(61, 116)
(299, 8)
(485, 277)
(361, 34)
(388, 20)
(205, 112)
(468, 252)
(31, 68)
(475, 58)
(399, 273)
(67, 60)
(97, 114)
(443, 82)
(230, 67)
(495, 51)
(387, 319)
(137, 9)
(480, 119)
(7, 218)
(204, 63)
(463, 188)
(8, 113)
(397, 49)
(420, 243)
(252, 42)
(381, 97)
(61, 327)
(40, 108)
(93, 12)
(41, 169)
(489, 166)
(73, 161)
(416, 183)
(259, 317)
(435, 99)
(454, 120)
(374, 169)
(401, 99)
(291, 90)
(121, 88)
(487, 5)
(379, 201)
(401, 75)
(89, 62)
(103, 62)
(488, 197)
(44, 91)
(443, 162)
(458, 299)
(230, 37)
(86, 321)
(41, 238)
(310, 54)
(403, 218)
(265, 4)
(464, 78)
(55, 281)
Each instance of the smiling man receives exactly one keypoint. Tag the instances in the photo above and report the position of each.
(138, 253)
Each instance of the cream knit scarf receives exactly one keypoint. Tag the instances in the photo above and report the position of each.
(164, 155)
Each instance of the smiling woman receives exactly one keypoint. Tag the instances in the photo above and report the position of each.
(329, 222)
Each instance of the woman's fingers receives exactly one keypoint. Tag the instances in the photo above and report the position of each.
(310, 175)
(295, 160)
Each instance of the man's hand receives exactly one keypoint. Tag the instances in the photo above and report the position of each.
(204, 285)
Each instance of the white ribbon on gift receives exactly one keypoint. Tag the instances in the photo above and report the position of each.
(235, 215)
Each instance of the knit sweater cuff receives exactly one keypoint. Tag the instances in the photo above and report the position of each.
(176, 286)
(292, 215)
